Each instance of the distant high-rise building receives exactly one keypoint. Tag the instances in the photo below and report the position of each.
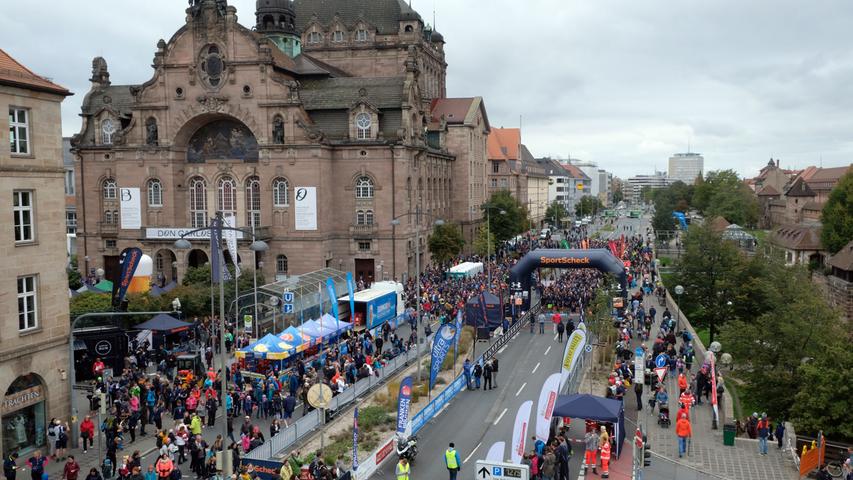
(686, 167)
(633, 194)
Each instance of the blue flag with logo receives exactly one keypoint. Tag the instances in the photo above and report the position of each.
(333, 299)
(129, 260)
(355, 440)
(404, 400)
(444, 338)
(351, 294)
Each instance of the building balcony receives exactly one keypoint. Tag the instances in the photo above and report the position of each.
(106, 229)
(363, 230)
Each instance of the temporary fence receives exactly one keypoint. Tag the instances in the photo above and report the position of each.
(312, 419)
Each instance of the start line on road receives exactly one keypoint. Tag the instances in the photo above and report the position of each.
(487, 470)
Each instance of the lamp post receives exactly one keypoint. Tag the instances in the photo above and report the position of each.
(488, 209)
(257, 246)
(678, 291)
(273, 301)
(396, 221)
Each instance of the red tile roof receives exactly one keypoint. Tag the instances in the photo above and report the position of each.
(503, 143)
(454, 109)
(15, 74)
(768, 191)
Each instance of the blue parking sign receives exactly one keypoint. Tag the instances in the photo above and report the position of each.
(497, 472)
(661, 360)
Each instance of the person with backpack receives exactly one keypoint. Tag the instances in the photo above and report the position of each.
(560, 330)
(763, 429)
(478, 372)
(487, 376)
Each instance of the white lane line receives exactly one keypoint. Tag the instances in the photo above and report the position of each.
(520, 389)
(555, 337)
(535, 368)
(502, 349)
(547, 349)
(472, 453)
(499, 417)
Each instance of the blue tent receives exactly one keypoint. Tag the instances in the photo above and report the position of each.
(156, 291)
(270, 347)
(592, 407)
(313, 330)
(490, 314)
(293, 336)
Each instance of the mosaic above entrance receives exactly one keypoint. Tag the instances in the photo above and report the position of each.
(222, 140)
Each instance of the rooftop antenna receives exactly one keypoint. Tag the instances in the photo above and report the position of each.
(434, 27)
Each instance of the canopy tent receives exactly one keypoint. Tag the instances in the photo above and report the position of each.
(270, 347)
(591, 407)
(313, 330)
(293, 336)
(156, 290)
(104, 286)
(490, 314)
(164, 323)
(89, 289)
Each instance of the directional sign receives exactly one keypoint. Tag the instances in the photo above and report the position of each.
(287, 297)
(288, 308)
(287, 302)
(588, 348)
(488, 470)
(662, 360)
(661, 372)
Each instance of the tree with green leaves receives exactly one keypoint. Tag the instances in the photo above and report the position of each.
(616, 196)
(820, 403)
(484, 242)
(445, 242)
(837, 215)
(556, 212)
(588, 205)
(508, 225)
(723, 194)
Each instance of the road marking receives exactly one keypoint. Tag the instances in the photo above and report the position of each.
(502, 349)
(472, 453)
(555, 338)
(535, 368)
(547, 349)
(520, 389)
(499, 417)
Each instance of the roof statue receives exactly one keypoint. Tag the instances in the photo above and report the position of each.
(100, 73)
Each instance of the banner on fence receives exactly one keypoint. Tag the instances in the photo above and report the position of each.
(263, 469)
(404, 399)
(545, 407)
(519, 431)
(574, 348)
(444, 338)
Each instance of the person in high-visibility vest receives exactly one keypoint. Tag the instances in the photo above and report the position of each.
(451, 460)
(403, 469)
(605, 459)
(590, 441)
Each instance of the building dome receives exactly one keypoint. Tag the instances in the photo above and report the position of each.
(275, 16)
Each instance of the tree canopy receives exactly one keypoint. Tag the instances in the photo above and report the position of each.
(837, 215)
(723, 194)
(556, 212)
(588, 205)
(445, 242)
(508, 225)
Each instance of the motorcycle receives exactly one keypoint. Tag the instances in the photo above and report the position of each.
(407, 447)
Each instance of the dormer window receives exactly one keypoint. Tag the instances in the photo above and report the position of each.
(361, 35)
(409, 29)
(108, 129)
(362, 125)
(314, 37)
(338, 36)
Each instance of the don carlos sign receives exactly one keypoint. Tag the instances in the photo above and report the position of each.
(22, 399)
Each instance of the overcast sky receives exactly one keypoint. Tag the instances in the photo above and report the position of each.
(624, 83)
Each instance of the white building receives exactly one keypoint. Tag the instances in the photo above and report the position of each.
(686, 167)
(637, 183)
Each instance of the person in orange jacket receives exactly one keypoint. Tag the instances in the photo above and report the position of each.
(605, 460)
(164, 467)
(684, 431)
(682, 383)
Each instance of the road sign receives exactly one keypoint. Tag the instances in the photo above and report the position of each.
(287, 297)
(488, 470)
(661, 372)
(319, 395)
(588, 348)
(662, 360)
(287, 302)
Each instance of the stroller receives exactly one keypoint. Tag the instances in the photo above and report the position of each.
(663, 416)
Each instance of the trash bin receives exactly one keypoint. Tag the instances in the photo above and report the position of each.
(729, 433)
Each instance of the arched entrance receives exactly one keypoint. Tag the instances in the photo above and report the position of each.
(165, 266)
(196, 258)
(23, 415)
(600, 258)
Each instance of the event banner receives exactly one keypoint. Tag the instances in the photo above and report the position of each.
(333, 299)
(404, 400)
(230, 237)
(496, 453)
(305, 209)
(263, 469)
(444, 338)
(545, 407)
(355, 439)
(574, 348)
(131, 209)
(129, 260)
(519, 431)
(351, 293)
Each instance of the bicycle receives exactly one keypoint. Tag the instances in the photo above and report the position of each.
(834, 469)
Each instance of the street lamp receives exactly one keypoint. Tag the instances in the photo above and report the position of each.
(678, 291)
(437, 222)
(488, 209)
(273, 301)
(182, 243)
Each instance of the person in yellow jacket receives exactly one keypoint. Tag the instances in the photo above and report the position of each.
(195, 424)
(403, 469)
(286, 472)
(451, 460)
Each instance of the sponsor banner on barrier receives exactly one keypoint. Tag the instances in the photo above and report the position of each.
(444, 338)
(404, 399)
(496, 452)
(574, 348)
(545, 407)
(263, 469)
(519, 431)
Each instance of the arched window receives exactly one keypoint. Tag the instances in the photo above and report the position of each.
(198, 202)
(108, 217)
(338, 36)
(364, 187)
(108, 129)
(281, 264)
(361, 35)
(362, 125)
(359, 217)
(155, 193)
(409, 29)
(314, 37)
(368, 217)
(280, 193)
(110, 189)
(226, 198)
(253, 202)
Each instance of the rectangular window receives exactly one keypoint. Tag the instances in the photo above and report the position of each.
(27, 303)
(364, 246)
(494, 183)
(504, 183)
(361, 36)
(71, 222)
(110, 244)
(22, 205)
(19, 131)
(496, 167)
(69, 181)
